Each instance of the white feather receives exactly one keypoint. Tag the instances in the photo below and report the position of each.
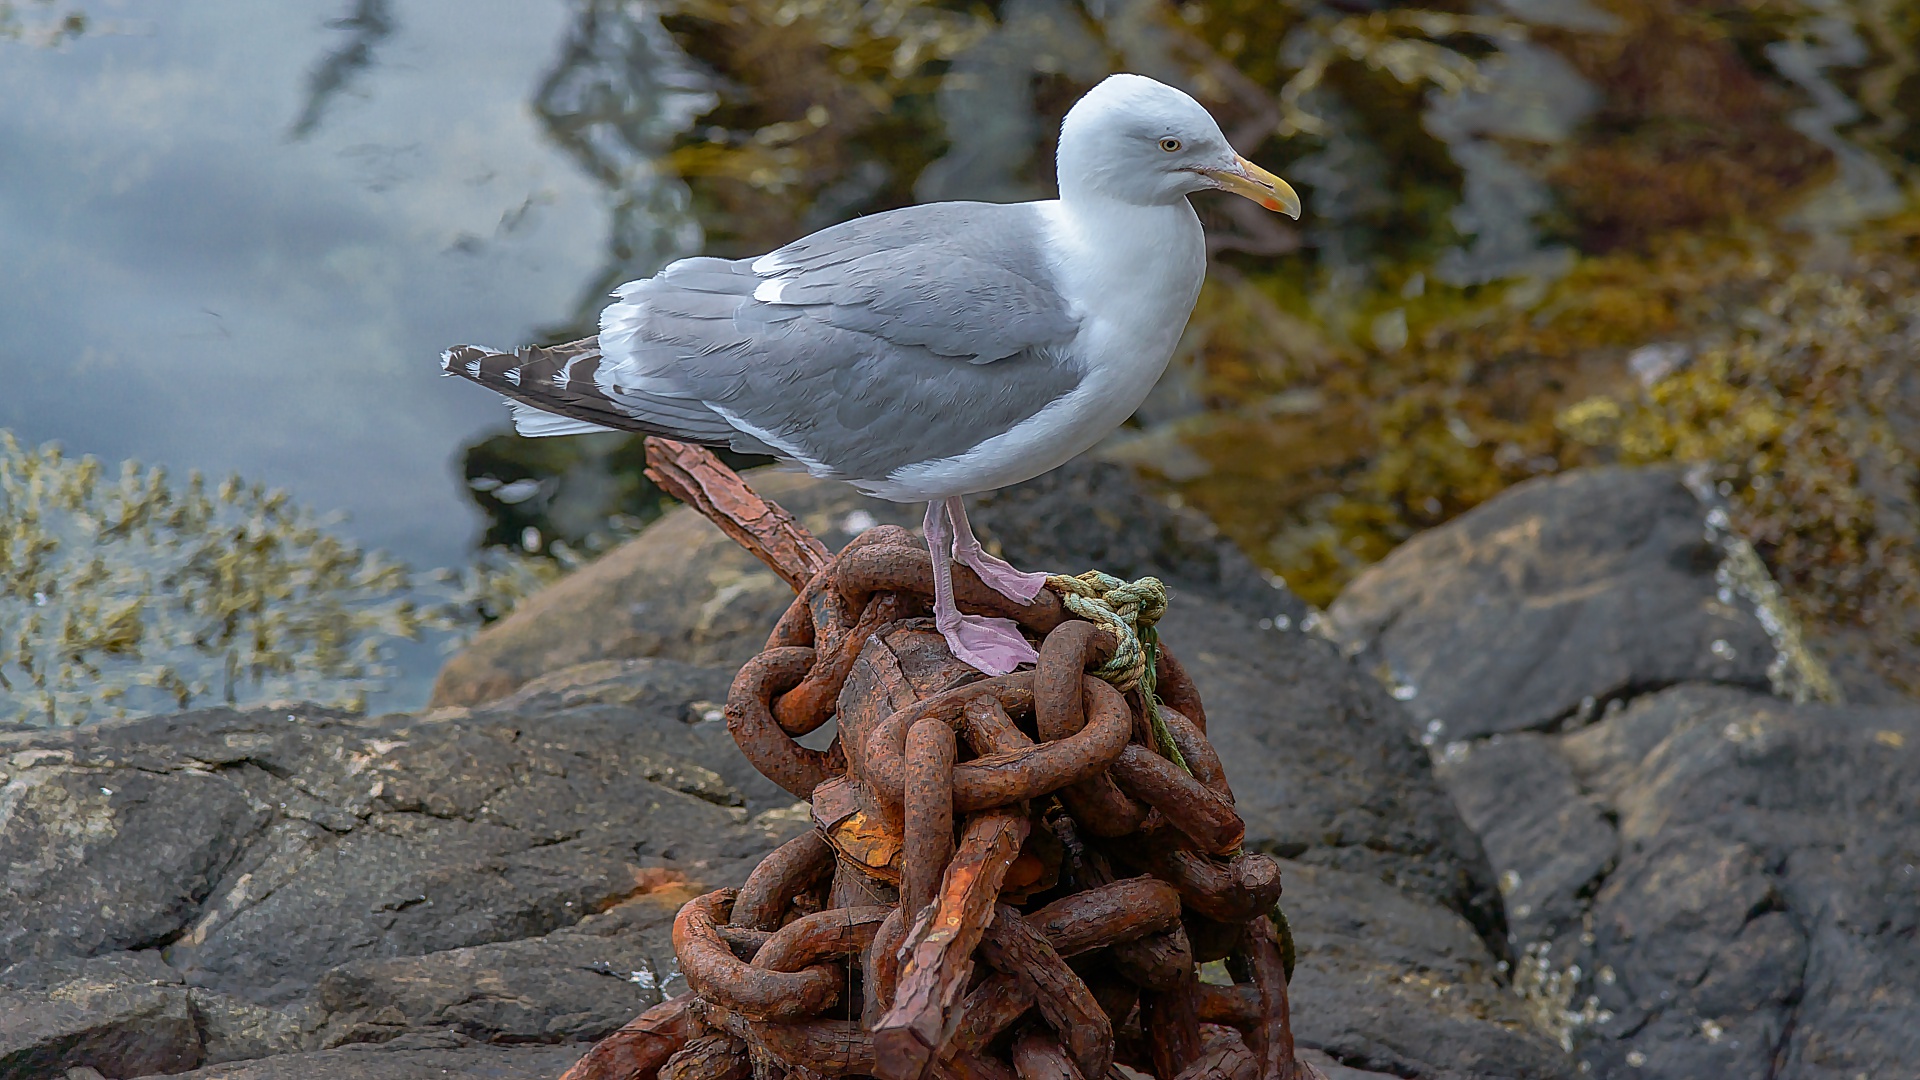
(537, 423)
(813, 466)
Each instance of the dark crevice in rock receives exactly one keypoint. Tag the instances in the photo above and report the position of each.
(1646, 1019)
(1777, 1061)
(1367, 1064)
(553, 841)
(1772, 902)
(1596, 707)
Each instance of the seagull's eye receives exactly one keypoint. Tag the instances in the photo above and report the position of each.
(1170, 144)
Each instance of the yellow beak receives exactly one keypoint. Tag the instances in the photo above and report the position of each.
(1258, 184)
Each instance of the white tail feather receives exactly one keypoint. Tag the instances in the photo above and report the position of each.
(537, 423)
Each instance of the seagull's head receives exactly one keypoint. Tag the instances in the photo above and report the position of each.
(1140, 141)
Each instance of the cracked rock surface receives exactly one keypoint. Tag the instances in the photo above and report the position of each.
(482, 890)
(1702, 880)
(212, 886)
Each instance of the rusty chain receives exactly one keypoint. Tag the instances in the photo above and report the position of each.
(1006, 878)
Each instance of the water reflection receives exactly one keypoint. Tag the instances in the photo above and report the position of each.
(237, 236)
(616, 97)
(370, 23)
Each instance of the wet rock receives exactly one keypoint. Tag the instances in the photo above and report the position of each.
(1556, 596)
(122, 1014)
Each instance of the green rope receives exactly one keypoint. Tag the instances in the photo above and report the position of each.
(1129, 609)
(1283, 937)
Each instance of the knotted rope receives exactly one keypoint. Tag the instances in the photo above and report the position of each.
(1129, 609)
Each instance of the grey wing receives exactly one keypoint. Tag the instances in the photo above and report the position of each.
(900, 338)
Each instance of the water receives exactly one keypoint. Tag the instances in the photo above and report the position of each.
(236, 237)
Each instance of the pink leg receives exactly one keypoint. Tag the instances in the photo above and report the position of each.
(1000, 576)
(991, 645)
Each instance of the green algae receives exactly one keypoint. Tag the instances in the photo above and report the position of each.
(127, 592)
(46, 23)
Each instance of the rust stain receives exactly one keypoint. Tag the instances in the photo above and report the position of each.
(870, 844)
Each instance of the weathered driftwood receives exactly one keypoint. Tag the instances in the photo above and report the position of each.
(695, 477)
(937, 956)
(962, 909)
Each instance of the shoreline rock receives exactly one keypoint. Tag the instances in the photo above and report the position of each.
(1702, 879)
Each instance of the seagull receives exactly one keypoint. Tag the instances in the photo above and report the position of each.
(927, 353)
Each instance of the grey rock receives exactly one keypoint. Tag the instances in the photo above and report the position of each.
(1323, 765)
(107, 856)
(1320, 757)
(679, 703)
(683, 591)
(1394, 985)
(1096, 515)
(1762, 920)
(235, 1029)
(403, 1063)
(680, 591)
(377, 837)
(122, 1014)
(1333, 1070)
(1753, 915)
(403, 896)
(1559, 594)
(575, 984)
(1702, 880)
(1552, 843)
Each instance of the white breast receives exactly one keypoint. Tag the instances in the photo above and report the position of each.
(1132, 274)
